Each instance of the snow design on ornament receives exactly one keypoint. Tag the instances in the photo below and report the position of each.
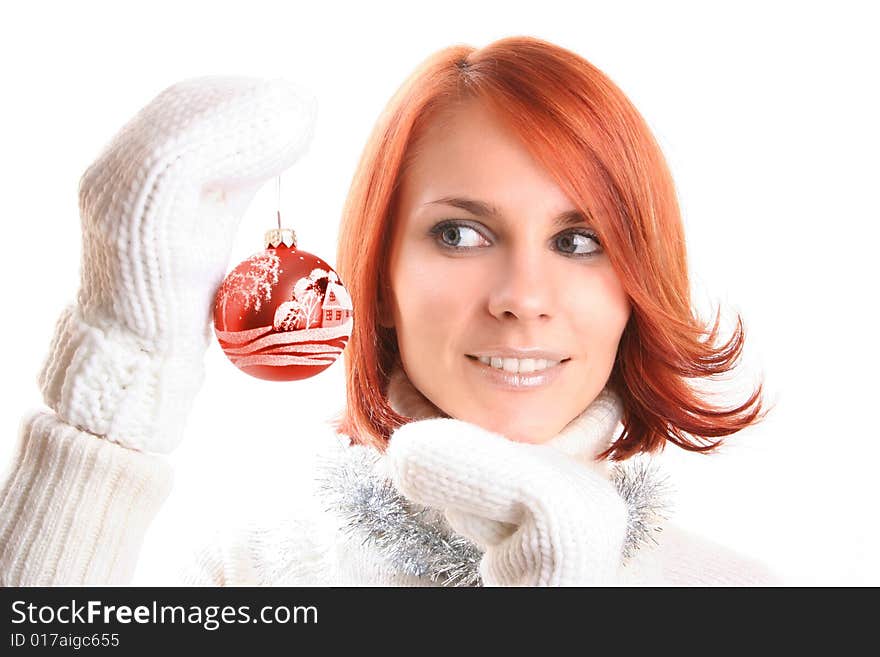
(251, 285)
(309, 328)
(263, 346)
(304, 311)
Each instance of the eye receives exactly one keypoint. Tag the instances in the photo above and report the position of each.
(458, 235)
(578, 243)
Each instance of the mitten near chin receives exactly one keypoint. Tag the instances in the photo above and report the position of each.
(543, 518)
(107, 381)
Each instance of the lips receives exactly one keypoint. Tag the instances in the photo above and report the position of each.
(507, 379)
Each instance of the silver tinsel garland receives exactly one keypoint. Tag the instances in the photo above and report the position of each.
(417, 540)
(646, 493)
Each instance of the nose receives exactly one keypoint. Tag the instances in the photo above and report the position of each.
(524, 287)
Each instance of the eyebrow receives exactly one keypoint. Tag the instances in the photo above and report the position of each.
(482, 209)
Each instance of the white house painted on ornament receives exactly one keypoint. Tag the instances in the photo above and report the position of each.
(337, 306)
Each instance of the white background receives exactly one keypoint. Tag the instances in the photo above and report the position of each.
(767, 114)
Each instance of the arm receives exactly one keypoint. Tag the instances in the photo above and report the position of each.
(159, 209)
(75, 507)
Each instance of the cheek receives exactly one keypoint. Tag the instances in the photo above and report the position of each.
(433, 295)
(601, 312)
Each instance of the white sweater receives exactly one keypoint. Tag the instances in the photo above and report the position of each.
(88, 477)
(75, 508)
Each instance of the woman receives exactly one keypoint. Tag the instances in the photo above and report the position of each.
(514, 251)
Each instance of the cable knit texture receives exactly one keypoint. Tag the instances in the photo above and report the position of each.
(159, 209)
(74, 508)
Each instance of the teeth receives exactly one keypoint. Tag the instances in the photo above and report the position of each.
(515, 365)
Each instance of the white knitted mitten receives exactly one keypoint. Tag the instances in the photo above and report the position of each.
(160, 208)
(542, 517)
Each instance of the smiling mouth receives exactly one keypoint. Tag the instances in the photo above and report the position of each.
(519, 365)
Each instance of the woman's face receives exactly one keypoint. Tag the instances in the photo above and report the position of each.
(488, 262)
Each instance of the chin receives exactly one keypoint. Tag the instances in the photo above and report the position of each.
(519, 433)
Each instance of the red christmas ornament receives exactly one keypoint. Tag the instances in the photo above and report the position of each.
(282, 314)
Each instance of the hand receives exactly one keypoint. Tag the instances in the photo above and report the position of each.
(542, 518)
(160, 208)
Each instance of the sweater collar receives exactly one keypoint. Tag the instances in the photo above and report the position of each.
(587, 435)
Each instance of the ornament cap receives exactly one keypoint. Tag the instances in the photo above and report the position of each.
(276, 236)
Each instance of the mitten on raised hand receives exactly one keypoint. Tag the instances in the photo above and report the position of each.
(542, 517)
(160, 208)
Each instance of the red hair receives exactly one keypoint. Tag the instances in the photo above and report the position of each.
(585, 132)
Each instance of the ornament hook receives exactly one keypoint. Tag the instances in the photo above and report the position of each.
(276, 236)
(278, 203)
